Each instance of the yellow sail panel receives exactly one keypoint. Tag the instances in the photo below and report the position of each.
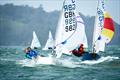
(107, 33)
(108, 29)
(107, 15)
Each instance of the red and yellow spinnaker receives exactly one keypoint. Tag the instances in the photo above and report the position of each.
(108, 29)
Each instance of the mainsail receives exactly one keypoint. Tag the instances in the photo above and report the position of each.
(49, 43)
(103, 29)
(70, 32)
(98, 45)
(35, 42)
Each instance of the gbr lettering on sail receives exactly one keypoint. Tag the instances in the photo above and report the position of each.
(69, 16)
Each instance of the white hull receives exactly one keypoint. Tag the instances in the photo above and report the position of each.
(39, 60)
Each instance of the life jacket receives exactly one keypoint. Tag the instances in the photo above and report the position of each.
(78, 52)
(31, 54)
(81, 50)
(28, 56)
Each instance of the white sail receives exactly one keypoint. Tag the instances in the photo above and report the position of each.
(49, 43)
(35, 41)
(70, 32)
(81, 31)
(98, 43)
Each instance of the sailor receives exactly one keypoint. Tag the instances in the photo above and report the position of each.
(81, 49)
(78, 52)
(30, 53)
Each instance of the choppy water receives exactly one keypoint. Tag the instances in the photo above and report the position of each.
(67, 68)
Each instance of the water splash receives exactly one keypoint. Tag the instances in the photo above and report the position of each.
(34, 62)
(102, 59)
(69, 63)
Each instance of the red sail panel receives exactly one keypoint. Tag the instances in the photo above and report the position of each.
(108, 30)
(108, 22)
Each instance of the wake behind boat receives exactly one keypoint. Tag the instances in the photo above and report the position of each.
(37, 61)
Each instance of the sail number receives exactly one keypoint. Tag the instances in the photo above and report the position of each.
(70, 24)
(69, 16)
(101, 13)
(70, 28)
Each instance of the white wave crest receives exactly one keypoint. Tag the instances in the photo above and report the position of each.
(39, 60)
(69, 63)
(102, 59)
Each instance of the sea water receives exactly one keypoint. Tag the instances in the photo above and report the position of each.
(14, 66)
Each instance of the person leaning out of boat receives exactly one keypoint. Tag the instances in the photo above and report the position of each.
(78, 52)
(30, 54)
(81, 49)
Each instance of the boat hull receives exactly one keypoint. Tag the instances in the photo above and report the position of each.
(90, 56)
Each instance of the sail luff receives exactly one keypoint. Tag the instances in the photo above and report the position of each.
(59, 28)
(93, 42)
(58, 35)
(98, 26)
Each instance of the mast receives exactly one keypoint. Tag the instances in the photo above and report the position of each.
(93, 43)
(98, 26)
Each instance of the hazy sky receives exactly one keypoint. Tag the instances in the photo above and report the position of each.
(87, 7)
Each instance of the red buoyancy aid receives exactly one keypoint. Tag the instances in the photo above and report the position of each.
(81, 50)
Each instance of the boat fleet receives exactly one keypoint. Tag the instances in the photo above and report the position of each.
(70, 32)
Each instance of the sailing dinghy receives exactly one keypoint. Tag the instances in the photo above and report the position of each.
(70, 31)
(40, 59)
(103, 32)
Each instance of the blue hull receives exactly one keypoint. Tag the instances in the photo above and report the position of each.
(89, 56)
